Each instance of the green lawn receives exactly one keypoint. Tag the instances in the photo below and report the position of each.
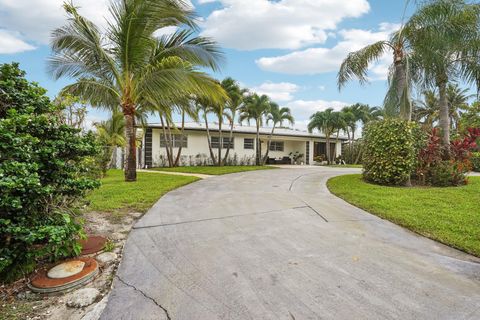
(214, 170)
(448, 215)
(115, 194)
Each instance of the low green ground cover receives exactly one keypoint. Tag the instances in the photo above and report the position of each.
(448, 215)
(213, 170)
(115, 194)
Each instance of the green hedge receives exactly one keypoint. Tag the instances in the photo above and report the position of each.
(390, 151)
(42, 177)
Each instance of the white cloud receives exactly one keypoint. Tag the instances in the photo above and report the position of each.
(280, 92)
(35, 20)
(165, 31)
(303, 109)
(283, 24)
(322, 60)
(11, 43)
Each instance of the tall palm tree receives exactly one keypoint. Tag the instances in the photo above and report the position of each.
(445, 39)
(127, 67)
(235, 102)
(357, 63)
(277, 116)
(324, 121)
(255, 107)
(340, 124)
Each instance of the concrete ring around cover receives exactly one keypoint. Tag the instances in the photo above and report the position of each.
(42, 283)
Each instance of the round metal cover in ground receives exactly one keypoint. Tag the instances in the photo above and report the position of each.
(92, 244)
(44, 284)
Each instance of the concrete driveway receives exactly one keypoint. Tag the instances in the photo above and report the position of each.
(276, 244)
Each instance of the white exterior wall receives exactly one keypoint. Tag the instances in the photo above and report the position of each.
(198, 145)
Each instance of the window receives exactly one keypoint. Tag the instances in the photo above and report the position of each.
(248, 143)
(226, 140)
(276, 146)
(177, 141)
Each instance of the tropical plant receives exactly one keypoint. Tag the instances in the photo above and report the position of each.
(325, 122)
(128, 67)
(277, 116)
(470, 118)
(255, 107)
(236, 96)
(444, 37)
(426, 111)
(357, 63)
(111, 134)
(457, 99)
(42, 177)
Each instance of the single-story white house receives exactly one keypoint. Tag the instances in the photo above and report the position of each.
(195, 151)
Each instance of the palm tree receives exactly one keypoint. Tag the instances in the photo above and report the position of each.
(128, 67)
(324, 121)
(340, 124)
(427, 109)
(457, 100)
(357, 63)
(236, 96)
(255, 107)
(445, 39)
(277, 116)
(111, 134)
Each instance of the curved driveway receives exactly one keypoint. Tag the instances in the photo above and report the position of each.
(275, 244)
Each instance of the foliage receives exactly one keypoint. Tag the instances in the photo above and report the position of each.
(449, 215)
(470, 118)
(475, 161)
(72, 110)
(42, 176)
(125, 65)
(446, 167)
(389, 156)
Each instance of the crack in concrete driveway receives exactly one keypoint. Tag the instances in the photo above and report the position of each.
(205, 252)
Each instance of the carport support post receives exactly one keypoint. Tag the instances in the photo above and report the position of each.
(310, 153)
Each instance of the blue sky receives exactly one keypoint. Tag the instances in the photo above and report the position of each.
(288, 49)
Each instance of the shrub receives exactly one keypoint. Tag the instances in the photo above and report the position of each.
(42, 177)
(475, 161)
(443, 167)
(389, 157)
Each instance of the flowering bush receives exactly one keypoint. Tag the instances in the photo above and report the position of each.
(440, 167)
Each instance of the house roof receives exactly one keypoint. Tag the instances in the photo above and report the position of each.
(279, 131)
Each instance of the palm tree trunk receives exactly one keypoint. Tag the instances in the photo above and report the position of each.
(258, 151)
(268, 146)
(402, 93)
(167, 149)
(209, 141)
(328, 147)
(230, 139)
(179, 153)
(131, 161)
(220, 141)
(444, 115)
(336, 143)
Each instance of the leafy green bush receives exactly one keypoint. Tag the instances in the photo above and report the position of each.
(475, 161)
(390, 151)
(42, 177)
(446, 173)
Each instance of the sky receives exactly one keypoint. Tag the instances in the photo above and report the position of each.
(290, 50)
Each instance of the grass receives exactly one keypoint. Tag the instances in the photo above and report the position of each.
(211, 170)
(448, 215)
(117, 195)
